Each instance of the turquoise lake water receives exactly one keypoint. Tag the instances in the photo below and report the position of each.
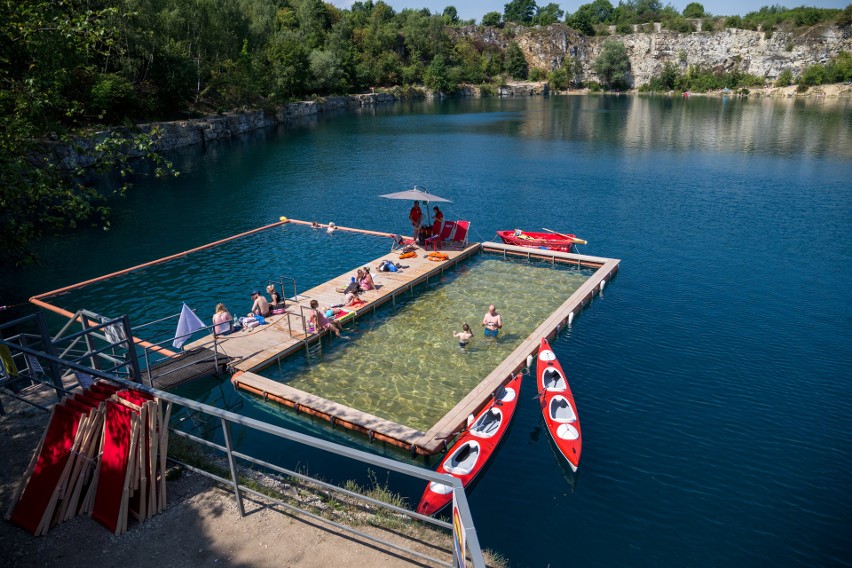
(712, 379)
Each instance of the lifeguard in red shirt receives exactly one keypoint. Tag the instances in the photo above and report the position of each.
(416, 216)
(439, 220)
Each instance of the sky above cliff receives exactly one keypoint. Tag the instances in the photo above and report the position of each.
(475, 9)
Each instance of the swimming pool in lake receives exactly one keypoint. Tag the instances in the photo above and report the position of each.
(402, 362)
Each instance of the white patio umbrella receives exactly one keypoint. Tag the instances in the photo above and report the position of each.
(417, 194)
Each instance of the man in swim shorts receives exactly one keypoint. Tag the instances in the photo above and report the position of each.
(464, 336)
(492, 322)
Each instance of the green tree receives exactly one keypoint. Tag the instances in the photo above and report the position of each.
(437, 75)
(785, 78)
(588, 16)
(519, 11)
(693, 10)
(288, 63)
(559, 79)
(601, 11)
(56, 75)
(491, 19)
(516, 63)
(612, 63)
(450, 16)
(547, 15)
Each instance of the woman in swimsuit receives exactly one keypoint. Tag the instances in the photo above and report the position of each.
(366, 281)
(320, 322)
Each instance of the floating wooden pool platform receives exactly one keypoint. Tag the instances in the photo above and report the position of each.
(285, 334)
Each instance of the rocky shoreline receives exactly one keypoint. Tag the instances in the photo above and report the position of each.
(182, 133)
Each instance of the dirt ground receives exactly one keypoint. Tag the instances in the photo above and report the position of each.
(200, 527)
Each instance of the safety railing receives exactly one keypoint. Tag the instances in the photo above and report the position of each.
(462, 526)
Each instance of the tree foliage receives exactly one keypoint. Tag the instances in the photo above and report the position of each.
(493, 19)
(520, 11)
(70, 67)
(516, 63)
(547, 15)
(693, 10)
(612, 63)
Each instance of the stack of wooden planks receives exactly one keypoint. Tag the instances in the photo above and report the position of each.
(103, 454)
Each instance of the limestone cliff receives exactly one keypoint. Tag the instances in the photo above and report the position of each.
(731, 49)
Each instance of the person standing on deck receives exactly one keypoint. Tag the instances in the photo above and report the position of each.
(492, 322)
(416, 217)
(439, 220)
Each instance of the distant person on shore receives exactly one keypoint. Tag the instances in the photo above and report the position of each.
(416, 217)
(260, 305)
(492, 322)
(464, 335)
(320, 322)
(223, 321)
(438, 222)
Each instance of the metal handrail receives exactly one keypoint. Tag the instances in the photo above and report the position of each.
(229, 418)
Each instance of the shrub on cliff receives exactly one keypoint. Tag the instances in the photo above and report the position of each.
(785, 78)
(516, 63)
(492, 19)
(612, 63)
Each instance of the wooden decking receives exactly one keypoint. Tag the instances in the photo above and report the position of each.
(258, 350)
(284, 334)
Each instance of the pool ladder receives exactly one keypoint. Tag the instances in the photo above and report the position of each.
(313, 352)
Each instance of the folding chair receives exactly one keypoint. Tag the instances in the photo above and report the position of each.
(400, 242)
(460, 236)
(437, 241)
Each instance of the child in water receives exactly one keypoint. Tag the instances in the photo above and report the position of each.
(464, 335)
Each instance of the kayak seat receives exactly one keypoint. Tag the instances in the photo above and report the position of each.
(553, 379)
(560, 410)
(462, 462)
(488, 424)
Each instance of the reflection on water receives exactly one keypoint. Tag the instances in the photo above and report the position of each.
(770, 126)
(404, 364)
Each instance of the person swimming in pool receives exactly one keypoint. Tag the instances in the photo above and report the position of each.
(492, 322)
(464, 335)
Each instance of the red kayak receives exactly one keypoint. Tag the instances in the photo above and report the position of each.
(474, 447)
(551, 241)
(557, 406)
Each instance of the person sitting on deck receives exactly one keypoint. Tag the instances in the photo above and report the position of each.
(351, 300)
(275, 298)
(223, 321)
(366, 281)
(320, 322)
(260, 306)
